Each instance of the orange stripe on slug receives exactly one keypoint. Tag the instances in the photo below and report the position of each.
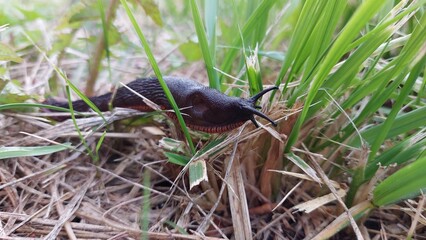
(208, 129)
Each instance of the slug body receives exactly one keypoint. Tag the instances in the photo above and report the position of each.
(203, 109)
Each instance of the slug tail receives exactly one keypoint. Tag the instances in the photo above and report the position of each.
(101, 102)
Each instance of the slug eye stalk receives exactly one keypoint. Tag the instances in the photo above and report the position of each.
(251, 107)
(261, 93)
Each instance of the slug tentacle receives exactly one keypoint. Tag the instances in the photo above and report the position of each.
(203, 109)
(253, 108)
(260, 114)
(261, 93)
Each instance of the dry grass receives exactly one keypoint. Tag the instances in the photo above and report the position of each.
(67, 196)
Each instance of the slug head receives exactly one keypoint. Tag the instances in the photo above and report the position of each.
(253, 107)
(210, 109)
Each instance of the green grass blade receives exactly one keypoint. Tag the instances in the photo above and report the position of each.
(403, 95)
(303, 165)
(408, 182)
(99, 144)
(261, 10)
(210, 11)
(84, 98)
(380, 95)
(157, 72)
(202, 39)
(31, 105)
(197, 172)
(400, 154)
(403, 123)
(253, 72)
(77, 128)
(13, 152)
(177, 159)
(105, 28)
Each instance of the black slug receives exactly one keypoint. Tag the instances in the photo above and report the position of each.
(204, 109)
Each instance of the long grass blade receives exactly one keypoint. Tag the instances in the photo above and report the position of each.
(157, 72)
(408, 182)
(204, 44)
(13, 152)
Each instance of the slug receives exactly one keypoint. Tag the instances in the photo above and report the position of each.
(203, 108)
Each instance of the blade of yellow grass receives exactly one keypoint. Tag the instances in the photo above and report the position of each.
(342, 221)
(238, 201)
